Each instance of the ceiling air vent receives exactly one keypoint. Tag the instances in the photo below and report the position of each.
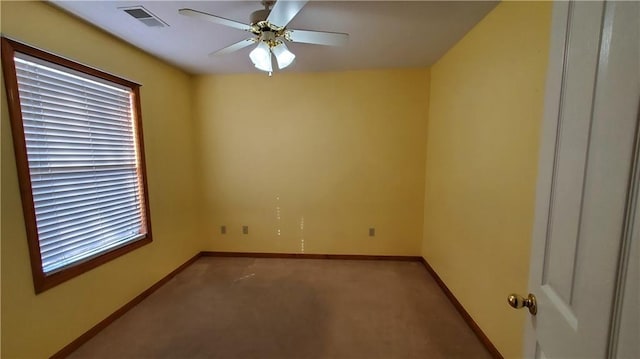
(144, 16)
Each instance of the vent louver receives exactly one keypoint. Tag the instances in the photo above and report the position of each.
(144, 16)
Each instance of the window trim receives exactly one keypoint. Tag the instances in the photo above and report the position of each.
(41, 281)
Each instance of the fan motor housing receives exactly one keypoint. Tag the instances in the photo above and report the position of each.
(259, 15)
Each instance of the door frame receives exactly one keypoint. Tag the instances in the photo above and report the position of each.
(631, 221)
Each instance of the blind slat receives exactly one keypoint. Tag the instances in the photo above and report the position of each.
(89, 83)
(77, 172)
(56, 230)
(57, 155)
(46, 217)
(76, 140)
(41, 95)
(32, 112)
(87, 195)
(59, 183)
(93, 157)
(82, 122)
(57, 190)
(44, 176)
(123, 230)
(45, 209)
(44, 128)
(60, 104)
(71, 146)
(43, 134)
(51, 86)
(50, 244)
(89, 250)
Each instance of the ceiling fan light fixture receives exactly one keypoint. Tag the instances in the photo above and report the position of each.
(261, 57)
(269, 26)
(283, 55)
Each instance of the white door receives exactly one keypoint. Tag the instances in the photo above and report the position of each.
(587, 156)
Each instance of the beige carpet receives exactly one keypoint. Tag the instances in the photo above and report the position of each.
(291, 308)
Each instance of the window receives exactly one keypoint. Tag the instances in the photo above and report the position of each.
(77, 137)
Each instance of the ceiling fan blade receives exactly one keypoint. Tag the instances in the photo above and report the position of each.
(215, 19)
(319, 37)
(284, 11)
(234, 47)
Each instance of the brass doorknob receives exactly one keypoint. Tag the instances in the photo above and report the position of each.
(517, 302)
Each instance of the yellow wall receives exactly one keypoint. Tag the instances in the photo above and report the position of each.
(484, 120)
(316, 157)
(39, 325)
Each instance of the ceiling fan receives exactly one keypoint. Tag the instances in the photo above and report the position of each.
(269, 26)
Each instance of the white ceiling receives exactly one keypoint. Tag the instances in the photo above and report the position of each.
(383, 34)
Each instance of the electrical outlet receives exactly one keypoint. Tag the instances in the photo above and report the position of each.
(372, 232)
(223, 229)
(245, 229)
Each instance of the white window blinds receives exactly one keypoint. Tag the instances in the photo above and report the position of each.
(83, 164)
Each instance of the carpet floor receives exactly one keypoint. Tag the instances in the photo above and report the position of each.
(291, 308)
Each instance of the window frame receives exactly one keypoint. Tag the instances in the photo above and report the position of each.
(42, 281)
